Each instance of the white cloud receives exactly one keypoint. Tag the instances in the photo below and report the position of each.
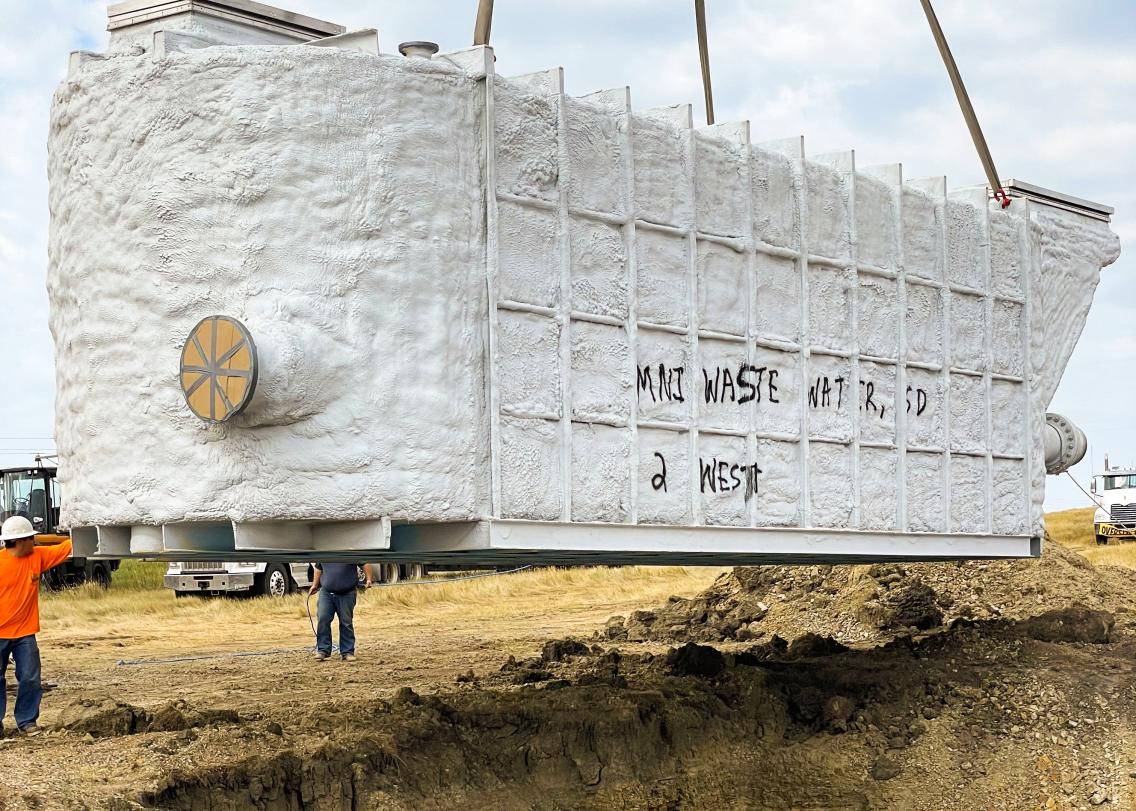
(1122, 347)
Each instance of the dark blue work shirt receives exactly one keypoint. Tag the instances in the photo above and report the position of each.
(339, 578)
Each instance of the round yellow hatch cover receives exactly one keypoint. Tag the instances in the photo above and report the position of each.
(218, 368)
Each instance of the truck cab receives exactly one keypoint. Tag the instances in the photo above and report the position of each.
(225, 577)
(33, 492)
(1115, 518)
(261, 578)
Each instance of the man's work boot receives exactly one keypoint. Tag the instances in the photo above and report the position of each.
(321, 656)
(349, 657)
(30, 730)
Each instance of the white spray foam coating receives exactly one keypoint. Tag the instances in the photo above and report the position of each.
(337, 204)
(330, 201)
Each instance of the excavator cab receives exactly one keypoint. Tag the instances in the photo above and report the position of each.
(33, 493)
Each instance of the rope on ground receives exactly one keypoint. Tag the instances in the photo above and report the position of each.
(311, 621)
(308, 599)
(237, 655)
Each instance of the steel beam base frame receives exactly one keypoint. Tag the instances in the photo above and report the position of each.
(498, 542)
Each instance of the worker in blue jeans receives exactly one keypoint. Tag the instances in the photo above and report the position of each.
(336, 584)
(22, 563)
(24, 652)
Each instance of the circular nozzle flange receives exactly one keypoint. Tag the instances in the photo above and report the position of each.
(218, 368)
(418, 48)
(1065, 444)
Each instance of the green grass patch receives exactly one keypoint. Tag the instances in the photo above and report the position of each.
(138, 575)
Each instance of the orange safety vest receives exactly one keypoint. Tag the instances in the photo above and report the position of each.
(19, 587)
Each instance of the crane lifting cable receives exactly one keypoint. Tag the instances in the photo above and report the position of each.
(704, 57)
(484, 23)
(948, 60)
(967, 108)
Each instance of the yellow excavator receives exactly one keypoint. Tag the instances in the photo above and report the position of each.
(33, 492)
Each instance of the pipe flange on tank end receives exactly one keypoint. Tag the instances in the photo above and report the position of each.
(418, 48)
(1065, 444)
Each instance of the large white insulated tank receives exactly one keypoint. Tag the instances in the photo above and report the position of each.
(491, 319)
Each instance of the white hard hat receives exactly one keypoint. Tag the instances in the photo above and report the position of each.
(15, 528)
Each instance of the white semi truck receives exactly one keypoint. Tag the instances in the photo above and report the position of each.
(1115, 518)
(269, 579)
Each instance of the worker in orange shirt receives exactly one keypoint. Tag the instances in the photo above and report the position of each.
(21, 564)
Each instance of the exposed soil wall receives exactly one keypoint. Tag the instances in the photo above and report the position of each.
(852, 688)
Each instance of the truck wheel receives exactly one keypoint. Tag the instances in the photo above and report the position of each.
(53, 580)
(1102, 540)
(100, 576)
(274, 581)
(413, 571)
(390, 573)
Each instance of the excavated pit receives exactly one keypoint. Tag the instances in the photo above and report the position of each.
(810, 725)
(856, 688)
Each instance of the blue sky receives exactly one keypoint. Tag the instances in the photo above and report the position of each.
(1054, 84)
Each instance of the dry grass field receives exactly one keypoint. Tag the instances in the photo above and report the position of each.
(138, 612)
(1074, 529)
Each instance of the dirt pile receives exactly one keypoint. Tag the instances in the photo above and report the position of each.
(108, 719)
(881, 602)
